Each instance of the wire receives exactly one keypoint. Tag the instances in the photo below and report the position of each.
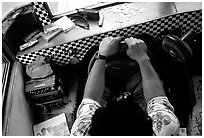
(175, 7)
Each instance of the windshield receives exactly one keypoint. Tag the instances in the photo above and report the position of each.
(57, 8)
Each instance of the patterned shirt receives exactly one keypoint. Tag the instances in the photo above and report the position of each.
(165, 123)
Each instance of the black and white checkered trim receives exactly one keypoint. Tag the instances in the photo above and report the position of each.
(62, 55)
(41, 13)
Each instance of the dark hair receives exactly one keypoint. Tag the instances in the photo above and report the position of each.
(121, 118)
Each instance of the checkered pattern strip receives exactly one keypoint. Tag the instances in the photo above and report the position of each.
(62, 55)
(41, 13)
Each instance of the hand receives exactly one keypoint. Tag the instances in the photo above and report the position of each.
(137, 49)
(109, 46)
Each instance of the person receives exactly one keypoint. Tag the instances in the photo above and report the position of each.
(122, 117)
(45, 132)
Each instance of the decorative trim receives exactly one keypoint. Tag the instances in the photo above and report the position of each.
(41, 13)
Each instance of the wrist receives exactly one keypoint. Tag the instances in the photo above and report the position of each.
(144, 58)
(99, 56)
(101, 60)
(103, 54)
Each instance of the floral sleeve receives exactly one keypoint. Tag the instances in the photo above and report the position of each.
(85, 113)
(165, 123)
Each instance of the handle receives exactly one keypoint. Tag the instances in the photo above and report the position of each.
(187, 37)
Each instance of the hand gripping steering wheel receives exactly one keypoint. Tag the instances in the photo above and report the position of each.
(119, 69)
(120, 64)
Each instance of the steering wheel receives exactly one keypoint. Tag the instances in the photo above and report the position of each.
(119, 63)
(120, 66)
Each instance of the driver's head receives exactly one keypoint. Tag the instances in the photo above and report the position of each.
(121, 118)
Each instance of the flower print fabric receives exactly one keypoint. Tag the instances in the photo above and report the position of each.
(165, 123)
(158, 108)
(85, 113)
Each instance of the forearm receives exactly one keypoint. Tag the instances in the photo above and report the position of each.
(152, 85)
(96, 81)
